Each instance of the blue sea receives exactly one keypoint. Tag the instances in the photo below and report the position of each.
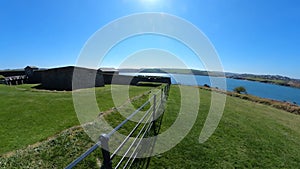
(264, 90)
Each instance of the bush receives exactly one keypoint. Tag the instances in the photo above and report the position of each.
(2, 77)
(206, 85)
(240, 90)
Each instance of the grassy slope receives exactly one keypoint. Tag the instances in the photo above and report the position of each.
(56, 152)
(64, 147)
(249, 135)
(29, 116)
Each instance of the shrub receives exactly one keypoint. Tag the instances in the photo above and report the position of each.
(206, 85)
(240, 90)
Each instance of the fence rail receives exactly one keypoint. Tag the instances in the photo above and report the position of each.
(148, 125)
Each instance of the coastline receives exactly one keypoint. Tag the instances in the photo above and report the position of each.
(294, 85)
(286, 106)
(271, 79)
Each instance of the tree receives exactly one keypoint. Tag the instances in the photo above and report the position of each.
(206, 85)
(240, 90)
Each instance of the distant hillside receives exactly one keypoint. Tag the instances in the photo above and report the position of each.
(172, 71)
(273, 79)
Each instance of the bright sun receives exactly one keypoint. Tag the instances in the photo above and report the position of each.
(149, 2)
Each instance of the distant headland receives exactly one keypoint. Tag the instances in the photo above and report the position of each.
(273, 79)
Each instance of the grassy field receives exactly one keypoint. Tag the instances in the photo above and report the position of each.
(250, 135)
(29, 115)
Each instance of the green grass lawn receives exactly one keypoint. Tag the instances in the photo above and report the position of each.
(29, 115)
(250, 135)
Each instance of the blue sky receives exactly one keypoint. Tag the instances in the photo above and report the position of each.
(250, 36)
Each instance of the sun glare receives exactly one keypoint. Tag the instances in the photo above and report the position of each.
(152, 5)
(149, 1)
